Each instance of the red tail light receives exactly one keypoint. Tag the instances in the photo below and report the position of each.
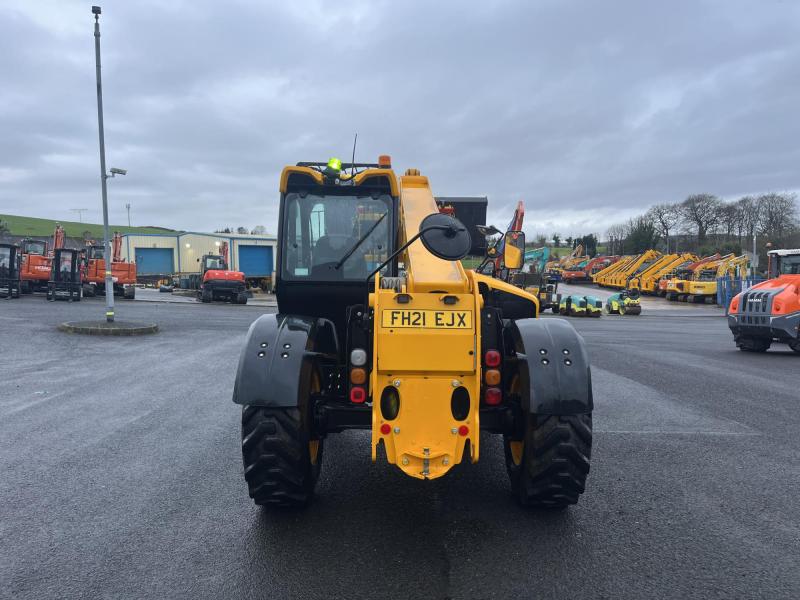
(463, 431)
(385, 429)
(493, 396)
(358, 395)
(492, 358)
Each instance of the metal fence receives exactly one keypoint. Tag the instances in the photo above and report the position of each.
(728, 287)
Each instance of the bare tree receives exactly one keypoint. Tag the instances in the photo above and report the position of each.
(541, 239)
(242, 230)
(259, 230)
(729, 218)
(778, 216)
(615, 236)
(702, 211)
(666, 218)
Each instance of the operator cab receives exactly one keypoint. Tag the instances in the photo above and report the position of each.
(336, 228)
(784, 262)
(34, 247)
(214, 263)
(9, 271)
(95, 253)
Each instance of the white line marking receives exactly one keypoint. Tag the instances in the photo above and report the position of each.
(676, 432)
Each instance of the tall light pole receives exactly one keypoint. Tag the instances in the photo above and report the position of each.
(103, 176)
(128, 208)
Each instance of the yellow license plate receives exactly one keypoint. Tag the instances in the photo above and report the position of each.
(429, 319)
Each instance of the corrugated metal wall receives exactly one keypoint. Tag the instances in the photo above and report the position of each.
(189, 247)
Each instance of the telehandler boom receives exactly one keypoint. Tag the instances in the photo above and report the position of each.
(379, 327)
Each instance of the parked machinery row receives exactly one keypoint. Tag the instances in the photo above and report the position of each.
(683, 277)
(62, 273)
(699, 281)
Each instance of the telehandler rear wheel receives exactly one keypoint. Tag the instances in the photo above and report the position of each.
(281, 461)
(795, 345)
(548, 467)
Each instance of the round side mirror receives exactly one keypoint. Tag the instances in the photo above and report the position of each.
(445, 237)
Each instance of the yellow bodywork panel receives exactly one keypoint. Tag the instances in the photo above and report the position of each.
(315, 175)
(358, 179)
(426, 350)
(425, 271)
(426, 346)
(425, 330)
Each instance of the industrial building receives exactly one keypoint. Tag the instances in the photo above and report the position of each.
(166, 255)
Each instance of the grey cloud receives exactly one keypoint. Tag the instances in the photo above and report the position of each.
(587, 111)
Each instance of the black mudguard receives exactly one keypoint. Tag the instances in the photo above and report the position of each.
(280, 353)
(553, 367)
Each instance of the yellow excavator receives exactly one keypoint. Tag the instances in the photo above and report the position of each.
(602, 277)
(703, 287)
(702, 272)
(572, 259)
(647, 281)
(619, 279)
(379, 327)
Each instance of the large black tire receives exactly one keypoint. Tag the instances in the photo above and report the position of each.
(552, 470)
(795, 345)
(277, 458)
(752, 344)
(129, 293)
(241, 298)
(206, 296)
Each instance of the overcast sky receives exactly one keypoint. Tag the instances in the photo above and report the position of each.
(588, 111)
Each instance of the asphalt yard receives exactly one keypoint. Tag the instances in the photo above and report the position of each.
(122, 476)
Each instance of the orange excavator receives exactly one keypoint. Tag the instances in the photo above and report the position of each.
(36, 261)
(123, 273)
(217, 282)
(769, 311)
(584, 272)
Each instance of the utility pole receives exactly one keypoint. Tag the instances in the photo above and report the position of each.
(128, 208)
(755, 256)
(80, 212)
(106, 241)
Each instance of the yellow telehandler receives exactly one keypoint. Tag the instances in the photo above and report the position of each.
(379, 327)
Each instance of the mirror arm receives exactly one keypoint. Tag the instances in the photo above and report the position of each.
(407, 244)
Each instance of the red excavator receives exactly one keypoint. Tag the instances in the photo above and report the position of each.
(584, 273)
(123, 273)
(36, 261)
(769, 311)
(216, 282)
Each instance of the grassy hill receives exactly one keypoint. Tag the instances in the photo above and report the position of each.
(44, 227)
